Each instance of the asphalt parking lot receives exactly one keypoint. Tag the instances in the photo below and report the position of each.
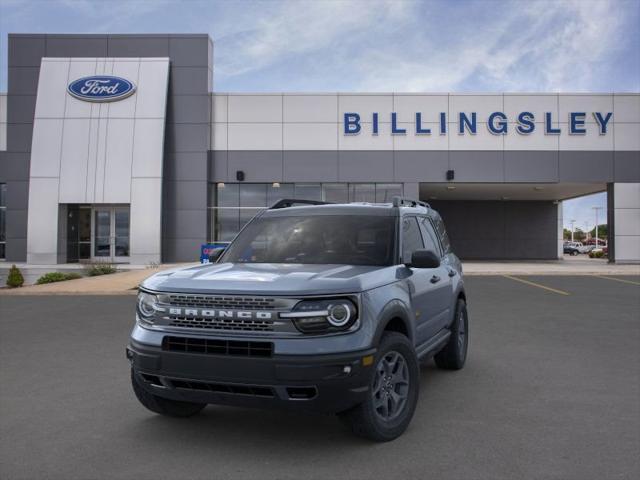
(551, 390)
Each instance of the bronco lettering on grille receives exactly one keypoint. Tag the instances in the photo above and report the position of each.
(208, 313)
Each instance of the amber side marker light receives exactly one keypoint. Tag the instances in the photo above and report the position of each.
(368, 360)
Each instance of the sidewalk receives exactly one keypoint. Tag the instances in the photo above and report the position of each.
(126, 282)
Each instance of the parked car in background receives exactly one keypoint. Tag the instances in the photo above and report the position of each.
(572, 248)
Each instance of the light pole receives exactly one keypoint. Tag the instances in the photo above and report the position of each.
(572, 228)
(596, 209)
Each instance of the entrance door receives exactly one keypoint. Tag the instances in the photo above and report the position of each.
(111, 234)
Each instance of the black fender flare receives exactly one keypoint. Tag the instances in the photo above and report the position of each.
(394, 309)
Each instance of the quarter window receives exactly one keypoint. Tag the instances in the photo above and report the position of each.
(411, 238)
(429, 236)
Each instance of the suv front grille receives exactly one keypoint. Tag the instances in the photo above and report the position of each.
(222, 302)
(217, 347)
(234, 324)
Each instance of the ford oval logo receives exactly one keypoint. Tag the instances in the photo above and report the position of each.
(101, 88)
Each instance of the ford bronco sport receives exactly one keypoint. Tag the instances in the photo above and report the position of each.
(313, 306)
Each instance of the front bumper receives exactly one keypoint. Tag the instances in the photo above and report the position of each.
(321, 383)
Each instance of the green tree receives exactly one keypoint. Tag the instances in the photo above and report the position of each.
(15, 278)
(603, 231)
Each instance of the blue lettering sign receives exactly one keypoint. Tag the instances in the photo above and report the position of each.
(602, 122)
(501, 127)
(351, 123)
(101, 88)
(443, 123)
(525, 123)
(576, 123)
(419, 129)
(394, 126)
(375, 123)
(470, 125)
(548, 125)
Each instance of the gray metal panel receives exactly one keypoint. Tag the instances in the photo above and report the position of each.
(531, 166)
(428, 165)
(501, 230)
(16, 250)
(185, 166)
(626, 166)
(76, 46)
(477, 166)
(138, 46)
(185, 195)
(188, 80)
(22, 108)
(258, 166)
(23, 80)
(19, 137)
(181, 249)
(17, 195)
(187, 137)
(365, 166)
(189, 51)
(188, 109)
(26, 50)
(16, 223)
(186, 223)
(310, 166)
(218, 163)
(15, 166)
(586, 166)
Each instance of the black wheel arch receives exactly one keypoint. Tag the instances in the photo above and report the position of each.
(394, 317)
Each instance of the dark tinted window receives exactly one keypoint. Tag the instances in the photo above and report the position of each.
(411, 238)
(338, 239)
(429, 236)
(442, 233)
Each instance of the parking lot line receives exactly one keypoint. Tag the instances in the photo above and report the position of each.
(618, 279)
(534, 284)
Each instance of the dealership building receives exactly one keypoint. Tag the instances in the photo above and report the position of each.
(118, 148)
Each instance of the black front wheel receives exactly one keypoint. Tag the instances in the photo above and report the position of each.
(163, 406)
(393, 393)
(454, 353)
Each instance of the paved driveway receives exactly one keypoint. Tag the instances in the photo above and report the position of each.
(551, 390)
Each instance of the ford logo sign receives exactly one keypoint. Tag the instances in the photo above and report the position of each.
(101, 88)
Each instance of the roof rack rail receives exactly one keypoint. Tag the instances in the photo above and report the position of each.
(400, 201)
(290, 202)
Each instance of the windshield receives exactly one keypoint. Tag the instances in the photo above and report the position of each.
(340, 239)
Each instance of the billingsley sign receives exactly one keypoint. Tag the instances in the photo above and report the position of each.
(497, 123)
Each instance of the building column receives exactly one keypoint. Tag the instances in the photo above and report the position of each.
(560, 236)
(624, 230)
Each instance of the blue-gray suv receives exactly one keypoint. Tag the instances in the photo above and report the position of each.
(313, 306)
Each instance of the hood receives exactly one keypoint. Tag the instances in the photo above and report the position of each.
(271, 279)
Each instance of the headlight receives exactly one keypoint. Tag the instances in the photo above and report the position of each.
(146, 305)
(323, 316)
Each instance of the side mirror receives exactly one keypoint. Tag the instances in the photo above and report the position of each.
(424, 259)
(215, 255)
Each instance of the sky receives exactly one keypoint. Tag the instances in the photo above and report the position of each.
(378, 45)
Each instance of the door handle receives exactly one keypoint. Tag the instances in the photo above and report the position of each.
(435, 279)
(452, 273)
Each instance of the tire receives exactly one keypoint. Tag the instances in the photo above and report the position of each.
(396, 371)
(574, 253)
(454, 353)
(164, 406)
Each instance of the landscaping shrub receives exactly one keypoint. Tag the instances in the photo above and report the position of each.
(100, 269)
(52, 277)
(596, 254)
(15, 278)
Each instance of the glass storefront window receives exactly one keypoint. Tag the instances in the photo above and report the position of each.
(232, 205)
(362, 192)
